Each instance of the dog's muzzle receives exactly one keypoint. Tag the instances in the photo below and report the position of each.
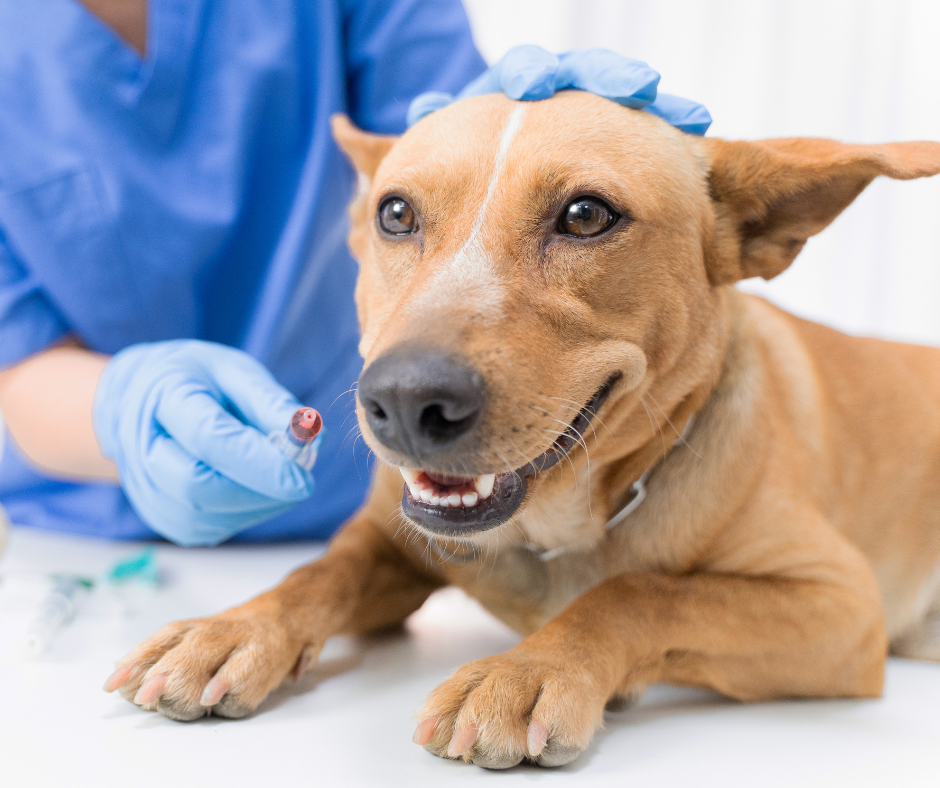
(425, 405)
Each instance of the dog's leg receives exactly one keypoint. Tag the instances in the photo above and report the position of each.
(231, 661)
(749, 638)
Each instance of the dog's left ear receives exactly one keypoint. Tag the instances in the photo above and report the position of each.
(364, 149)
(770, 196)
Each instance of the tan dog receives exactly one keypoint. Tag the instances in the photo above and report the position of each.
(525, 266)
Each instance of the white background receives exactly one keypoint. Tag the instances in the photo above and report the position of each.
(853, 70)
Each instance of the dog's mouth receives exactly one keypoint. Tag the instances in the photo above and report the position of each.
(451, 505)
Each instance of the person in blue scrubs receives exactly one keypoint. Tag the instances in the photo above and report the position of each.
(174, 277)
(191, 191)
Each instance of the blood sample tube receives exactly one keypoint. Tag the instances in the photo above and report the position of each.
(301, 440)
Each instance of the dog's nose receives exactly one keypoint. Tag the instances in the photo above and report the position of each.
(419, 402)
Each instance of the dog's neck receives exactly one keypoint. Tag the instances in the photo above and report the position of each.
(632, 499)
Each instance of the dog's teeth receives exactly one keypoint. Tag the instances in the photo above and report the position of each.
(410, 475)
(484, 484)
(419, 492)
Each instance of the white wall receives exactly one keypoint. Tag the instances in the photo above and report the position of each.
(854, 70)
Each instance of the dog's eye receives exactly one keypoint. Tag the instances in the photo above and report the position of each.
(397, 217)
(586, 217)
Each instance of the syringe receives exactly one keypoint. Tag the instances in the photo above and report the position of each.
(55, 613)
(301, 440)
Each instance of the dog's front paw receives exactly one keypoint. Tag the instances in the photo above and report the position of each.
(500, 710)
(225, 664)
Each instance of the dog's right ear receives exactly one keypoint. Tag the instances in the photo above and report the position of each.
(770, 196)
(364, 149)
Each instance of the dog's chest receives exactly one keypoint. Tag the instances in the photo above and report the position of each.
(555, 559)
(522, 590)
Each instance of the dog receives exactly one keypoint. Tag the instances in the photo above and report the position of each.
(650, 475)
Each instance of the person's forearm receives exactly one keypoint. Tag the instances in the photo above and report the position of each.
(47, 403)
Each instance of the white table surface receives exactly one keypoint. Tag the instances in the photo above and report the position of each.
(350, 721)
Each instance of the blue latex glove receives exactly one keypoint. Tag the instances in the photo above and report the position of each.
(186, 423)
(529, 73)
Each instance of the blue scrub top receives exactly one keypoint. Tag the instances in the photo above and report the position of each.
(198, 193)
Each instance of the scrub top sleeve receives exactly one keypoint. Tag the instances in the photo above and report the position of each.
(29, 323)
(396, 49)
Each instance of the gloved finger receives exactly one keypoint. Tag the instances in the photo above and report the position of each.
(688, 116)
(193, 417)
(426, 103)
(528, 73)
(487, 82)
(631, 83)
(175, 473)
(525, 73)
(250, 391)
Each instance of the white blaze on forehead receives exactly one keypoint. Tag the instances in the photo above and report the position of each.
(470, 277)
(509, 132)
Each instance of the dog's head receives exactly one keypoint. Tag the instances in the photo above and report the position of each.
(525, 265)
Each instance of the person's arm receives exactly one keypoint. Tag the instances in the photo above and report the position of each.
(46, 401)
(47, 381)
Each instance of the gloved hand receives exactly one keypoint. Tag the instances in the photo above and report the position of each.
(186, 423)
(529, 73)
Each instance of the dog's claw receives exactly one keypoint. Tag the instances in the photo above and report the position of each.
(150, 690)
(536, 738)
(463, 739)
(214, 692)
(117, 679)
(425, 730)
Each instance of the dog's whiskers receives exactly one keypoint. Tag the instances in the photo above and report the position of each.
(350, 390)
(679, 435)
(407, 530)
(574, 472)
(653, 426)
(587, 454)
(506, 464)
(581, 441)
(353, 432)
(486, 555)
(523, 458)
(573, 406)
